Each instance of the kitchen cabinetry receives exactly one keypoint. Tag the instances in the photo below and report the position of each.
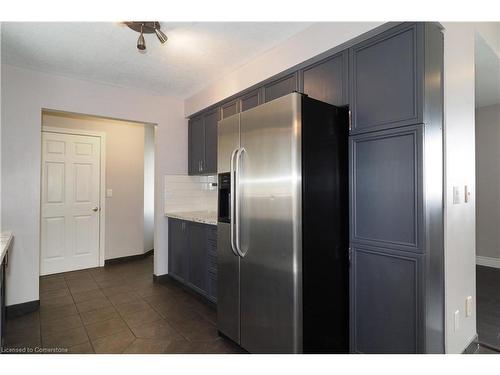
(386, 79)
(229, 108)
(326, 80)
(250, 100)
(177, 248)
(393, 84)
(280, 87)
(193, 256)
(202, 145)
(388, 306)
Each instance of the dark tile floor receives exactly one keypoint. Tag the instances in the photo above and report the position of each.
(117, 309)
(488, 305)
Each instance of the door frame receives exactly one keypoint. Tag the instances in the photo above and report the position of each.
(102, 183)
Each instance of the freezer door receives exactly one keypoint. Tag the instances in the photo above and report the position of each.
(270, 227)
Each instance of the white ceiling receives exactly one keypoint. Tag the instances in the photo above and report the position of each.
(487, 74)
(195, 55)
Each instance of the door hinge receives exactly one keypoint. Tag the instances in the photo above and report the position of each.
(350, 255)
(350, 120)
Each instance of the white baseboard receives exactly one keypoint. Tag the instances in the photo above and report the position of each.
(488, 261)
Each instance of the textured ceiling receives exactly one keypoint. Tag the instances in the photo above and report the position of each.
(487, 63)
(195, 54)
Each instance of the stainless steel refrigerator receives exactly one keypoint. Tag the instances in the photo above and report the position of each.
(283, 227)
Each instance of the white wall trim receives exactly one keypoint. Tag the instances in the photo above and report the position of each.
(487, 261)
(102, 183)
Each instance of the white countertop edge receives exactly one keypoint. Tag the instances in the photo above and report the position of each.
(5, 241)
(194, 216)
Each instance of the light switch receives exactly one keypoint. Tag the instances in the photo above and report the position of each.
(468, 306)
(456, 320)
(456, 195)
(109, 193)
(466, 194)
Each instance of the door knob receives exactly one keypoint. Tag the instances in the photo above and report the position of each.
(95, 209)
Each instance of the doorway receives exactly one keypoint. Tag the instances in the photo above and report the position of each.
(120, 200)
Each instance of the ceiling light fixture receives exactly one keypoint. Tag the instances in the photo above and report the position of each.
(146, 27)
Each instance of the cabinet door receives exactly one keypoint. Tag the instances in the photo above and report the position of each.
(386, 79)
(250, 100)
(198, 259)
(229, 109)
(386, 301)
(386, 188)
(196, 144)
(280, 87)
(327, 80)
(177, 251)
(210, 163)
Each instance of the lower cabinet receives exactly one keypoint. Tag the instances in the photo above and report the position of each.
(386, 301)
(192, 248)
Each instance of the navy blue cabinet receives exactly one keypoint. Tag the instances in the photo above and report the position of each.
(387, 301)
(387, 188)
(386, 79)
(202, 143)
(177, 248)
(250, 100)
(280, 87)
(327, 80)
(192, 255)
(230, 108)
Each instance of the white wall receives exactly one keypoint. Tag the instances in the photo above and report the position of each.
(25, 93)
(149, 187)
(125, 175)
(314, 40)
(459, 159)
(488, 181)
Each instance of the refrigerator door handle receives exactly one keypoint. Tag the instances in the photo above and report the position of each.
(238, 202)
(231, 203)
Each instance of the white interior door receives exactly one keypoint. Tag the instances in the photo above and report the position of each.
(70, 202)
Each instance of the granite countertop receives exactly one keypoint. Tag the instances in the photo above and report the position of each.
(204, 217)
(5, 241)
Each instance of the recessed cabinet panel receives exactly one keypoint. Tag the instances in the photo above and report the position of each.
(386, 78)
(386, 188)
(280, 87)
(229, 109)
(250, 100)
(210, 164)
(385, 301)
(198, 257)
(177, 249)
(327, 80)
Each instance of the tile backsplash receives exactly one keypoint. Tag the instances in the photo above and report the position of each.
(190, 193)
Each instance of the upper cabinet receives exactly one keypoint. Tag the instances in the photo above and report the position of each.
(229, 108)
(386, 74)
(280, 87)
(250, 100)
(326, 80)
(196, 137)
(202, 150)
